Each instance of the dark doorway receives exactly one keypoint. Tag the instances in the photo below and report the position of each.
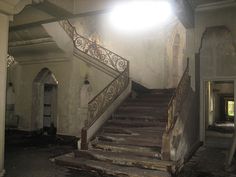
(48, 107)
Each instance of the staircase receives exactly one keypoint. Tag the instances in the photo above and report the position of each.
(135, 139)
(129, 143)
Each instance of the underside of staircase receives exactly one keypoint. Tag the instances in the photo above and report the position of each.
(129, 143)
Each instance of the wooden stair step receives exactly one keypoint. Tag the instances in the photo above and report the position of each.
(161, 98)
(151, 111)
(147, 107)
(142, 103)
(137, 150)
(126, 159)
(134, 115)
(155, 95)
(134, 141)
(106, 168)
(136, 123)
(161, 91)
(132, 130)
(147, 100)
(138, 135)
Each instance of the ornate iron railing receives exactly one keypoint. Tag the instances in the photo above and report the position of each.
(177, 100)
(98, 105)
(10, 61)
(94, 50)
(100, 102)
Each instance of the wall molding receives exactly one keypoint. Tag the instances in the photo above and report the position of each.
(215, 5)
(46, 60)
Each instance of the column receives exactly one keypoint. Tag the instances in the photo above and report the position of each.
(4, 23)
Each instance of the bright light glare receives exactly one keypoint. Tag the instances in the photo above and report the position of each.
(140, 15)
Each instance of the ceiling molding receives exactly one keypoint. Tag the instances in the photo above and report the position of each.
(30, 42)
(215, 5)
(10, 7)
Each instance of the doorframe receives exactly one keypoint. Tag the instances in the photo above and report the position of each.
(203, 81)
(54, 103)
(38, 96)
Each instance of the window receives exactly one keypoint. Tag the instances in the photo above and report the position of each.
(230, 110)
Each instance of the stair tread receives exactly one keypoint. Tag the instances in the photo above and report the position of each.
(137, 123)
(141, 135)
(111, 146)
(150, 106)
(147, 100)
(124, 158)
(142, 103)
(135, 141)
(156, 112)
(132, 130)
(108, 168)
(148, 115)
(154, 122)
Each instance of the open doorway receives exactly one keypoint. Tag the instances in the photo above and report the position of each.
(49, 108)
(44, 105)
(219, 113)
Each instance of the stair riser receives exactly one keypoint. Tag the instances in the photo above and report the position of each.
(141, 111)
(160, 126)
(124, 161)
(136, 133)
(139, 151)
(145, 118)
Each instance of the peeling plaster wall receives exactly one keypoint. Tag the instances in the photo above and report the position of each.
(98, 81)
(149, 53)
(203, 20)
(22, 78)
(70, 75)
(185, 134)
(217, 53)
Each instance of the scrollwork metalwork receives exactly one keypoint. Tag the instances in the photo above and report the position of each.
(99, 104)
(178, 99)
(10, 61)
(94, 50)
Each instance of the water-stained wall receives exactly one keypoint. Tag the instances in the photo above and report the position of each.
(217, 53)
(152, 60)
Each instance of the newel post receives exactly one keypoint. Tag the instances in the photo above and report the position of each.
(165, 150)
(84, 139)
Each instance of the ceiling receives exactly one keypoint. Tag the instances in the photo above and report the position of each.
(197, 3)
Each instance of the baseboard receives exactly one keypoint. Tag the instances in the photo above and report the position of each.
(2, 173)
(192, 151)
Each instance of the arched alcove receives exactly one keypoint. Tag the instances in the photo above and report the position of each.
(44, 100)
(175, 59)
(217, 53)
(217, 64)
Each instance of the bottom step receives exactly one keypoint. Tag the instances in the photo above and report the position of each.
(105, 168)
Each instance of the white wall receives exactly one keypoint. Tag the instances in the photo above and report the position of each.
(149, 52)
(70, 75)
(203, 20)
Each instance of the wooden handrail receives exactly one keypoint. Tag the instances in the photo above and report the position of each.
(175, 107)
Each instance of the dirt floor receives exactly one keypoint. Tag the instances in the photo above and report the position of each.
(32, 156)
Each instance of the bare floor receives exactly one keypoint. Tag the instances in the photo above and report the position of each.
(208, 162)
(32, 156)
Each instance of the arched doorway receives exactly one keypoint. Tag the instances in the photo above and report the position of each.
(44, 102)
(217, 86)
